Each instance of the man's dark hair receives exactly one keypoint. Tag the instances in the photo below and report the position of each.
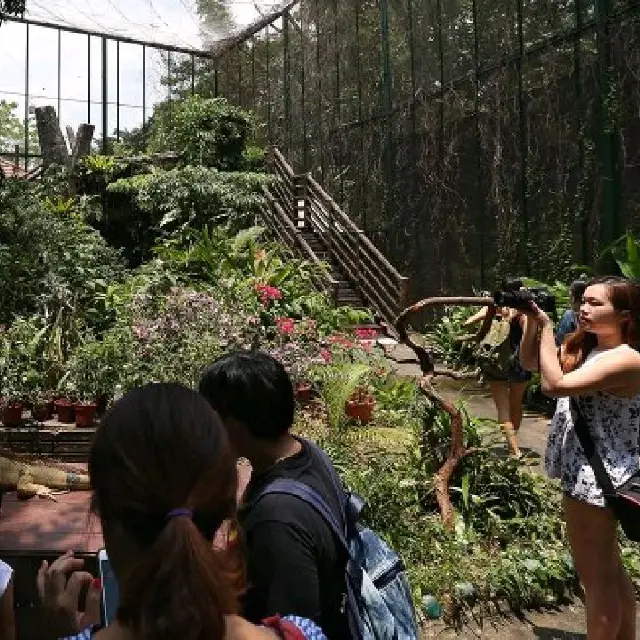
(253, 388)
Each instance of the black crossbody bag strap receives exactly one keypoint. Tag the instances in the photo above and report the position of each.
(589, 448)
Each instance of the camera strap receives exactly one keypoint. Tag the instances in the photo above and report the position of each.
(588, 446)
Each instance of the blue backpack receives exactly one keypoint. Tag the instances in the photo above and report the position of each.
(379, 605)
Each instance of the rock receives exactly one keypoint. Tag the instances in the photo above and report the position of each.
(431, 608)
(466, 592)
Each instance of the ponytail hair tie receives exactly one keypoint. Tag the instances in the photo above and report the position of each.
(177, 513)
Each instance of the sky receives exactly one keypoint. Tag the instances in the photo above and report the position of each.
(172, 22)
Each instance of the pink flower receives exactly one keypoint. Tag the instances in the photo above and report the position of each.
(366, 334)
(286, 325)
(325, 354)
(267, 293)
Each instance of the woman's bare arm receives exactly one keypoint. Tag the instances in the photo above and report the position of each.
(529, 345)
(474, 319)
(617, 373)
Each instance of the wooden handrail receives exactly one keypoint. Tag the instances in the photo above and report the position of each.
(306, 250)
(372, 275)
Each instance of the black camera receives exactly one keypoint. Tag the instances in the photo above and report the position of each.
(515, 296)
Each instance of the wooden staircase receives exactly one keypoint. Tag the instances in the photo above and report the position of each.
(351, 269)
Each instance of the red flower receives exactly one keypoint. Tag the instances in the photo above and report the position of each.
(286, 325)
(325, 354)
(267, 292)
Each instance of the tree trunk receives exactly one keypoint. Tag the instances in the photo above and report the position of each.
(457, 450)
(52, 143)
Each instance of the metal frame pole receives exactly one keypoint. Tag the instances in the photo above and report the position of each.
(59, 75)
(105, 96)
(319, 77)
(26, 103)
(479, 204)
(144, 84)
(88, 79)
(193, 74)
(608, 128)
(286, 68)
(386, 105)
(303, 93)
(524, 146)
(118, 90)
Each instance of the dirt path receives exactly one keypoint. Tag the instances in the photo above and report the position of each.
(566, 623)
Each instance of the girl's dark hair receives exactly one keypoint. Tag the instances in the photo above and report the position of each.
(625, 296)
(162, 447)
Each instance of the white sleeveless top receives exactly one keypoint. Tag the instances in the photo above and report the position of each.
(614, 424)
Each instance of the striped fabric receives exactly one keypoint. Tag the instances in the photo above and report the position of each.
(308, 627)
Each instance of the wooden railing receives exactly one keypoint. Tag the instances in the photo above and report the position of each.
(280, 220)
(304, 202)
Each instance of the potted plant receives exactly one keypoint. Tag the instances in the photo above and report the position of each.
(12, 394)
(360, 405)
(12, 402)
(64, 405)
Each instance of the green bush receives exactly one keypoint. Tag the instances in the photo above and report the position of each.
(208, 132)
(49, 259)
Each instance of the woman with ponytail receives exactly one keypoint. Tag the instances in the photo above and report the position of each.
(163, 479)
(598, 367)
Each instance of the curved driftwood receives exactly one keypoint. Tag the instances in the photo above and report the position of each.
(427, 366)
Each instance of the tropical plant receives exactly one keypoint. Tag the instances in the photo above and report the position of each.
(208, 132)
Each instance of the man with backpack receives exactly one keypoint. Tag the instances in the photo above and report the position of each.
(295, 564)
(307, 554)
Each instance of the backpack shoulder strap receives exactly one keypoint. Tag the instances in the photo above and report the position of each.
(589, 448)
(305, 493)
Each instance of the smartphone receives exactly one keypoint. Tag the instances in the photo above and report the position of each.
(109, 588)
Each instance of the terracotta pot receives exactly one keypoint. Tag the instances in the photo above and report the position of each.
(12, 414)
(361, 411)
(303, 393)
(85, 414)
(65, 411)
(42, 411)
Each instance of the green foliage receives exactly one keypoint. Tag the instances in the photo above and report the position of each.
(12, 130)
(208, 132)
(509, 540)
(446, 336)
(167, 201)
(338, 383)
(626, 253)
(48, 260)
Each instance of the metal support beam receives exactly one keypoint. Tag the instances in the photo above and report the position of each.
(105, 97)
(26, 103)
(611, 224)
(118, 91)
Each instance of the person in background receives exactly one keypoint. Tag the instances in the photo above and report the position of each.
(569, 321)
(597, 366)
(163, 480)
(7, 615)
(507, 391)
(295, 563)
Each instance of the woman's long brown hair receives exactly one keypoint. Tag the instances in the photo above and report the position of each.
(625, 296)
(161, 448)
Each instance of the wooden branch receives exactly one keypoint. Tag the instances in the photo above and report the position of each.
(457, 450)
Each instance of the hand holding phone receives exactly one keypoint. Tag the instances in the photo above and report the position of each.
(110, 595)
(60, 586)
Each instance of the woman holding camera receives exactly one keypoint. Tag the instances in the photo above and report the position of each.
(609, 399)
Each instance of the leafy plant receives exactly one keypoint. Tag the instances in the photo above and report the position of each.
(626, 253)
(338, 383)
(208, 132)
